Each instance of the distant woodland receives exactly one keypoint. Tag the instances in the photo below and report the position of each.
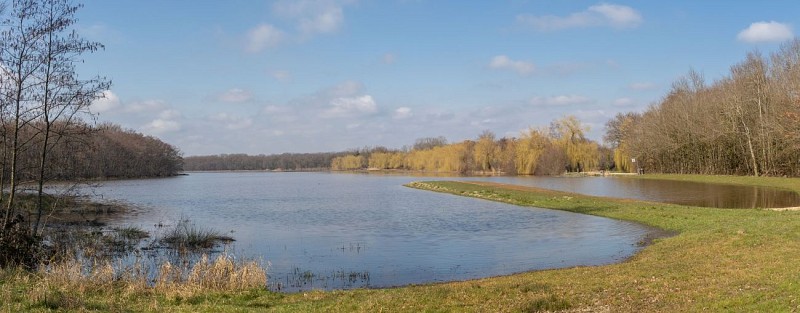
(244, 162)
(746, 123)
(538, 151)
(83, 151)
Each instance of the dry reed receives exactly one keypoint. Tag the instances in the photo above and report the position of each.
(63, 284)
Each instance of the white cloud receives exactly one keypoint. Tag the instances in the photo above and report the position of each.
(350, 106)
(170, 114)
(232, 122)
(263, 36)
(145, 106)
(160, 126)
(766, 32)
(313, 16)
(108, 102)
(623, 102)
(345, 89)
(600, 15)
(235, 95)
(273, 109)
(562, 100)
(309, 17)
(402, 113)
(642, 86)
(327, 21)
(388, 58)
(502, 62)
(618, 16)
(282, 75)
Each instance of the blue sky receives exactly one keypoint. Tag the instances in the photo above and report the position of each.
(269, 77)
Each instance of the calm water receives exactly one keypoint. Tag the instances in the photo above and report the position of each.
(678, 192)
(321, 230)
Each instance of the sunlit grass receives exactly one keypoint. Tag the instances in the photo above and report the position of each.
(718, 260)
(73, 285)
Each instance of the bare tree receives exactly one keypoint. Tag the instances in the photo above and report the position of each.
(21, 62)
(62, 96)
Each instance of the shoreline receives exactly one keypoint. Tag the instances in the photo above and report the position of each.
(719, 260)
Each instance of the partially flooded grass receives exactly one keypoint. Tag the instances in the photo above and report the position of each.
(130, 232)
(73, 285)
(773, 182)
(221, 274)
(719, 260)
(188, 236)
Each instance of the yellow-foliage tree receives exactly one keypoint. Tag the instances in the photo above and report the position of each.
(447, 158)
(348, 162)
(537, 151)
(485, 153)
(582, 154)
(529, 148)
(386, 160)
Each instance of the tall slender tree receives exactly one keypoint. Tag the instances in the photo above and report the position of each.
(20, 63)
(63, 95)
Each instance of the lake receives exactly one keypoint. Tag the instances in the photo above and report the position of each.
(668, 191)
(339, 231)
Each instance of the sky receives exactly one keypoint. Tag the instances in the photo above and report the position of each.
(266, 77)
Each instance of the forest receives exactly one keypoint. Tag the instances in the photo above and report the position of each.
(746, 123)
(561, 147)
(546, 151)
(274, 162)
(47, 130)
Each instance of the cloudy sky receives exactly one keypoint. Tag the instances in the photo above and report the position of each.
(250, 76)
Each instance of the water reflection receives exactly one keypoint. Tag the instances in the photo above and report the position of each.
(669, 191)
(321, 230)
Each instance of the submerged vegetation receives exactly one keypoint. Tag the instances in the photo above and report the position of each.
(188, 236)
(47, 129)
(716, 259)
(72, 285)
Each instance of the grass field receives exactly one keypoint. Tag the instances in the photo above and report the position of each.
(717, 260)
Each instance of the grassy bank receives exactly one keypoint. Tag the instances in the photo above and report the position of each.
(719, 260)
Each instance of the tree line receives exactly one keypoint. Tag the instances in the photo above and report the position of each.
(89, 152)
(746, 123)
(543, 151)
(560, 147)
(44, 133)
(244, 162)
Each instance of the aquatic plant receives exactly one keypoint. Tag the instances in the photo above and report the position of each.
(188, 236)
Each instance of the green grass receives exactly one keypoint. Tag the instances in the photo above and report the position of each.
(719, 260)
